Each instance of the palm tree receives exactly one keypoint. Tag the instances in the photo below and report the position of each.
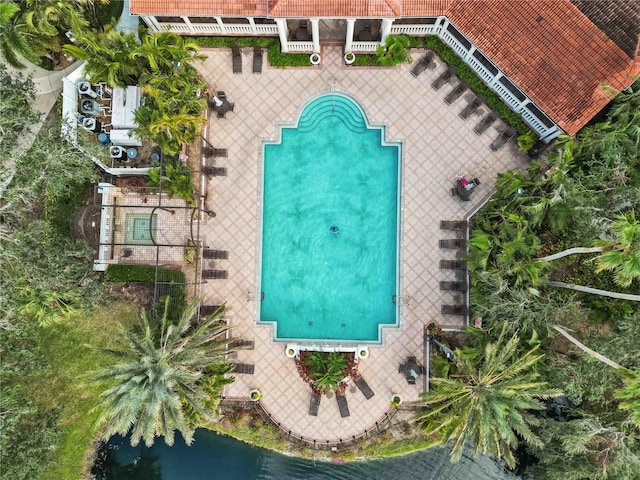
(13, 40)
(620, 254)
(166, 129)
(394, 50)
(630, 392)
(326, 369)
(162, 381)
(108, 56)
(166, 52)
(487, 401)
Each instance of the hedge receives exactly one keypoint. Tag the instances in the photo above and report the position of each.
(275, 56)
(142, 273)
(464, 72)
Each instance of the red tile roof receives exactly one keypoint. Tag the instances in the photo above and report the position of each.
(335, 8)
(256, 8)
(552, 51)
(548, 48)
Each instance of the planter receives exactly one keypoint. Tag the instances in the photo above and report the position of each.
(255, 395)
(315, 58)
(396, 400)
(362, 352)
(349, 58)
(291, 351)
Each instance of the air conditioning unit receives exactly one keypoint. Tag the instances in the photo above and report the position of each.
(84, 88)
(91, 125)
(118, 153)
(89, 107)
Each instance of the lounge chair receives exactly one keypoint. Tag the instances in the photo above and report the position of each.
(472, 107)
(363, 386)
(246, 368)
(453, 265)
(257, 59)
(214, 171)
(453, 225)
(454, 286)
(485, 123)
(236, 57)
(454, 310)
(342, 405)
(206, 310)
(456, 93)
(215, 274)
(215, 254)
(314, 404)
(242, 344)
(424, 63)
(444, 77)
(215, 152)
(453, 243)
(503, 138)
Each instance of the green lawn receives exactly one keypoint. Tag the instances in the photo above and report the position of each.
(66, 385)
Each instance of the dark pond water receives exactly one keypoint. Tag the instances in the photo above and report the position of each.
(214, 456)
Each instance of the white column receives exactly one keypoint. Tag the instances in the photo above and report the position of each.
(252, 24)
(315, 34)
(283, 33)
(495, 79)
(222, 28)
(385, 29)
(187, 22)
(470, 53)
(443, 26)
(351, 22)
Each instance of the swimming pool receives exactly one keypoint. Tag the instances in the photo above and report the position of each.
(330, 170)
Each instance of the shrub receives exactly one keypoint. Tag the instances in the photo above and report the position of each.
(142, 273)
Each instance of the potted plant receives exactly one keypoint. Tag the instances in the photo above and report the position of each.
(349, 58)
(363, 352)
(291, 350)
(255, 394)
(396, 400)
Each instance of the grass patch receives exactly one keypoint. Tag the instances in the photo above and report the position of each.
(65, 386)
(249, 428)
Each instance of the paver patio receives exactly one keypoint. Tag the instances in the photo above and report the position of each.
(437, 146)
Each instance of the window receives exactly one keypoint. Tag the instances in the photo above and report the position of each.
(485, 62)
(169, 19)
(458, 36)
(512, 88)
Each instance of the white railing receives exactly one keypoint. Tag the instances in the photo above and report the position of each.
(414, 29)
(480, 69)
(455, 44)
(541, 129)
(507, 96)
(205, 28)
(238, 29)
(174, 27)
(359, 47)
(266, 29)
(300, 46)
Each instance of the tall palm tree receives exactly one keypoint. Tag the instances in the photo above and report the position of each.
(326, 369)
(162, 377)
(487, 401)
(620, 253)
(108, 56)
(166, 52)
(13, 38)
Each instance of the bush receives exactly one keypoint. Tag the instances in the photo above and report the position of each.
(142, 273)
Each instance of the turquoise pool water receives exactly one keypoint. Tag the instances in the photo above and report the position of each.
(331, 170)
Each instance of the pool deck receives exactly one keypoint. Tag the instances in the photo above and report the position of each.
(437, 145)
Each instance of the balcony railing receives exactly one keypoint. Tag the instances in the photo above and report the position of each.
(300, 47)
(364, 47)
(414, 30)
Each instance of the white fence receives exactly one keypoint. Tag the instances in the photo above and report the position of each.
(414, 30)
(364, 47)
(300, 47)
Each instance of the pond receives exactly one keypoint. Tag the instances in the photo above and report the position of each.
(214, 456)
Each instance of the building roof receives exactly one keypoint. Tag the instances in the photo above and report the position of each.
(335, 8)
(257, 8)
(552, 51)
(619, 19)
(560, 52)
